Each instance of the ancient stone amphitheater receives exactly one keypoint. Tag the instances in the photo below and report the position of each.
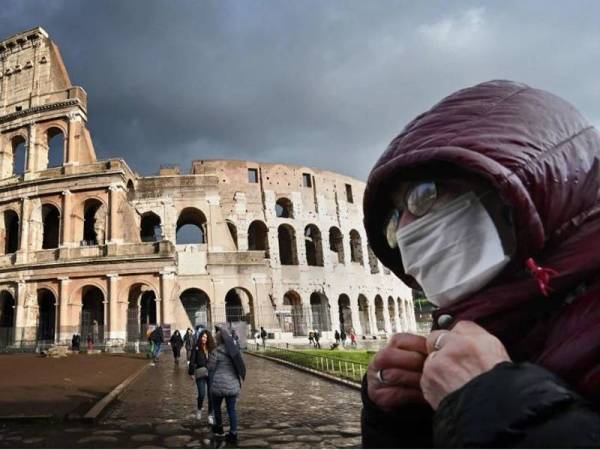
(90, 247)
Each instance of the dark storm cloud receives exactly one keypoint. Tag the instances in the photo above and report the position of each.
(322, 83)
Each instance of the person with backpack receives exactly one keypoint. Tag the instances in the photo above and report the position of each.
(157, 339)
(311, 338)
(188, 342)
(229, 370)
(176, 342)
(199, 371)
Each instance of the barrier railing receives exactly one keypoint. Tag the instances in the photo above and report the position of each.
(338, 367)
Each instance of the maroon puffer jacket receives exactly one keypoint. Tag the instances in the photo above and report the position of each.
(543, 158)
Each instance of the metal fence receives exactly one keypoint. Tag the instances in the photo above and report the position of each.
(349, 370)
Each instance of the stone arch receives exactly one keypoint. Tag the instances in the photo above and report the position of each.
(150, 227)
(55, 141)
(46, 320)
(50, 226)
(92, 313)
(379, 317)
(12, 231)
(191, 227)
(19, 155)
(232, 232)
(336, 244)
(284, 208)
(363, 314)
(320, 311)
(356, 247)
(94, 222)
(345, 313)
(141, 311)
(293, 302)
(288, 254)
(258, 237)
(7, 318)
(239, 306)
(392, 313)
(314, 245)
(196, 304)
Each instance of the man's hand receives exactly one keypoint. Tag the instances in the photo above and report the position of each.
(401, 364)
(456, 357)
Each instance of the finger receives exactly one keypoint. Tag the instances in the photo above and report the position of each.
(407, 341)
(466, 327)
(436, 339)
(401, 359)
(390, 398)
(400, 377)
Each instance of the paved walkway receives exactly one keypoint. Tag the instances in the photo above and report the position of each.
(279, 408)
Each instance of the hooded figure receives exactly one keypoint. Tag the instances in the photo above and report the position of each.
(540, 160)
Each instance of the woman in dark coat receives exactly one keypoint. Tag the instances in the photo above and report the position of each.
(514, 358)
(176, 342)
(199, 371)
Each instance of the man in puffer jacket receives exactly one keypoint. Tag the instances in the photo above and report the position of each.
(490, 203)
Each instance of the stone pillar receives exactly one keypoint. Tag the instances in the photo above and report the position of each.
(65, 239)
(20, 300)
(397, 316)
(166, 289)
(355, 315)
(115, 335)
(372, 318)
(24, 231)
(386, 317)
(30, 162)
(113, 195)
(71, 143)
(64, 329)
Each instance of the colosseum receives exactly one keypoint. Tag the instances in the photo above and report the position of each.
(92, 248)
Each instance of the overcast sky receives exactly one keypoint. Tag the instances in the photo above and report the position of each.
(326, 84)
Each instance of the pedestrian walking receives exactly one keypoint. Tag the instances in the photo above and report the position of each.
(75, 342)
(316, 337)
(256, 336)
(188, 342)
(199, 371)
(236, 338)
(343, 338)
(263, 336)
(229, 372)
(90, 343)
(311, 338)
(337, 337)
(176, 342)
(353, 338)
(157, 339)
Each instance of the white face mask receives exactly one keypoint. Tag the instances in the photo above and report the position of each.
(454, 251)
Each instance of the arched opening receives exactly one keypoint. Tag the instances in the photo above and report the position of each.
(392, 313)
(7, 319)
(356, 247)
(92, 314)
(51, 226)
(191, 227)
(319, 308)
(363, 314)
(56, 147)
(47, 315)
(94, 221)
(345, 312)
(258, 237)
(232, 232)
(373, 262)
(141, 312)
(288, 254)
(150, 229)
(239, 307)
(19, 151)
(130, 190)
(292, 300)
(197, 307)
(314, 246)
(380, 321)
(336, 244)
(11, 227)
(284, 208)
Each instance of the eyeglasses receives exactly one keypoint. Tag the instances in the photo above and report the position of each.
(418, 200)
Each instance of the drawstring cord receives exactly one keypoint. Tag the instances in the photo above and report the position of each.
(542, 275)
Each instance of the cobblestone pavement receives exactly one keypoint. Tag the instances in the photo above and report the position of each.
(279, 407)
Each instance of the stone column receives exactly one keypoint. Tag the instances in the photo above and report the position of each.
(71, 143)
(355, 315)
(30, 162)
(113, 214)
(64, 326)
(20, 300)
(386, 317)
(166, 289)
(397, 316)
(115, 336)
(24, 231)
(372, 318)
(66, 238)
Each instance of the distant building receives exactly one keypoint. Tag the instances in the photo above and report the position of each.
(85, 241)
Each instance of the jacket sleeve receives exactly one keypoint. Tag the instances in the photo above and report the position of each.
(192, 363)
(516, 405)
(408, 427)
